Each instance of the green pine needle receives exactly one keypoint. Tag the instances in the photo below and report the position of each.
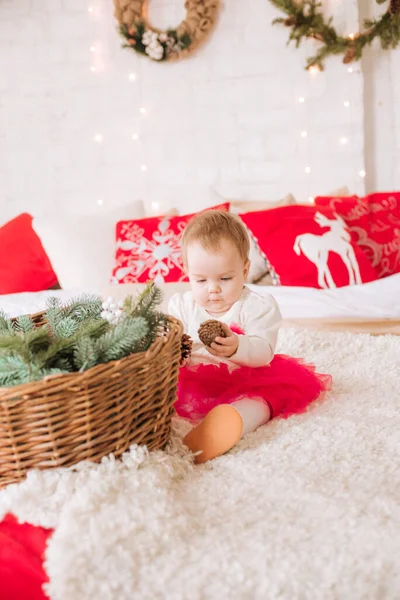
(60, 349)
(75, 337)
(306, 21)
(148, 300)
(122, 340)
(24, 324)
(85, 354)
(10, 343)
(5, 323)
(13, 370)
(66, 327)
(38, 340)
(86, 306)
(94, 329)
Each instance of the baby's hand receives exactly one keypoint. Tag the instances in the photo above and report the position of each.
(225, 346)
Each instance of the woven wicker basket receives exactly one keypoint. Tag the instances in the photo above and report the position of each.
(64, 419)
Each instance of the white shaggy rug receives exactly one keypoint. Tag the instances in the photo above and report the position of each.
(305, 508)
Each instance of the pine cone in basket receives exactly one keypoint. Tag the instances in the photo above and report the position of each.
(186, 347)
(209, 330)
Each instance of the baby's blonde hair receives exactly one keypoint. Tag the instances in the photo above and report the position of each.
(210, 227)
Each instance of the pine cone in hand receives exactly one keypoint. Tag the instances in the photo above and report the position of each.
(209, 330)
(186, 347)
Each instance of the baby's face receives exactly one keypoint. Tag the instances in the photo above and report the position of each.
(216, 279)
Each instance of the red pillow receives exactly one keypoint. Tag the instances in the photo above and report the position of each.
(310, 247)
(149, 249)
(374, 223)
(24, 265)
(22, 549)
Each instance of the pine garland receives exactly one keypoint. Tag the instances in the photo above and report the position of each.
(307, 22)
(76, 337)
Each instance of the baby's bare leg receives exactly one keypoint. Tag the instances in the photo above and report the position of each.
(223, 427)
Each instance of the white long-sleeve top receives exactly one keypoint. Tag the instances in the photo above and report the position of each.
(258, 316)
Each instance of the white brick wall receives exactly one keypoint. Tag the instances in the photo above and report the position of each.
(228, 117)
(382, 111)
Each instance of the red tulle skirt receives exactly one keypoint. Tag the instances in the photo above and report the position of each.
(287, 385)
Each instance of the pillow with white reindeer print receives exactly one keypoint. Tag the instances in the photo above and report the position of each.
(310, 247)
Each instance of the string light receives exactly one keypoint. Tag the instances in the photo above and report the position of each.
(132, 77)
(314, 69)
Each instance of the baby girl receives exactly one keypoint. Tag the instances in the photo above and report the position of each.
(236, 384)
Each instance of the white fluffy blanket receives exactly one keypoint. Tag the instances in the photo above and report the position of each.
(304, 508)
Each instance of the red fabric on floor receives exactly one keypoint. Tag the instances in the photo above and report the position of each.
(22, 548)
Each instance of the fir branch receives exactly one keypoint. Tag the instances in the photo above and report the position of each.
(64, 365)
(80, 309)
(158, 323)
(23, 324)
(85, 354)
(38, 340)
(86, 306)
(10, 343)
(145, 306)
(122, 340)
(148, 300)
(53, 313)
(94, 329)
(76, 338)
(13, 370)
(60, 350)
(66, 327)
(5, 324)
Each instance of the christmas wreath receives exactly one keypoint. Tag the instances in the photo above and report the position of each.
(170, 44)
(307, 22)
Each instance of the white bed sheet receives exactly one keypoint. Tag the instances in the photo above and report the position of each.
(376, 300)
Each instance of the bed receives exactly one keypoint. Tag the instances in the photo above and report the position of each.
(369, 308)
